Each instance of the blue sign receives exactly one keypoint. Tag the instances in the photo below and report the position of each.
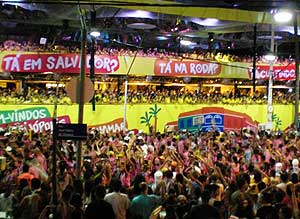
(203, 122)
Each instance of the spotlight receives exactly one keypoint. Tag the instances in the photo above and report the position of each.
(283, 16)
(270, 57)
(95, 33)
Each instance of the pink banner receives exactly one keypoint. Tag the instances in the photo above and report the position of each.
(172, 67)
(62, 63)
(283, 73)
(39, 125)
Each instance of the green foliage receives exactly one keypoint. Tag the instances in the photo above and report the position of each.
(146, 119)
(276, 120)
(154, 110)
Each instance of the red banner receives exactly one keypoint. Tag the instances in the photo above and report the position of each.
(283, 73)
(173, 67)
(39, 125)
(62, 63)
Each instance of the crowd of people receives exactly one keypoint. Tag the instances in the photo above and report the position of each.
(233, 174)
(134, 175)
(117, 50)
(165, 96)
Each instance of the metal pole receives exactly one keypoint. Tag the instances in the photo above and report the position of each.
(80, 96)
(254, 58)
(92, 70)
(296, 119)
(270, 87)
(126, 83)
(54, 145)
(125, 101)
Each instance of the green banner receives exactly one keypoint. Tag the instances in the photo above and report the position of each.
(21, 115)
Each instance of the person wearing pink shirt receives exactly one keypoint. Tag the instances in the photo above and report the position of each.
(180, 146)
(277, 141)
(267, 154)
(40, 157)
(256, 158)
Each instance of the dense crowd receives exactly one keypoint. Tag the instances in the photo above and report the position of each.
(164, 96)
(134, 175)
(198, 54)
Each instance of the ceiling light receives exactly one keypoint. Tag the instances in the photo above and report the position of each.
(210, 22)
(283, 16)
(269, 37)
(162, 38)
(136, 13)
(270, 57)
(95, 33)
(187, 43)
(141, 26)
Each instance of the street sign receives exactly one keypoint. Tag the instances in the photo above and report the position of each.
(71, 131)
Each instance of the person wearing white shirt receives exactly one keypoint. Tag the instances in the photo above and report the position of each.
(119, 201)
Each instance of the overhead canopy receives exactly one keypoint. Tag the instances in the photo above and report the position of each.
(230, 21)
(251, 11)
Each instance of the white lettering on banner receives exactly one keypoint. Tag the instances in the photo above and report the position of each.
(50, 62)
(161, 67)
(37, 63)
(278, 74)
(180, 68)
(31, 64)
(57, 62)
(12, 63)
(2, 118)
(114, 64)
(62, 62)
(73, 62)
(105, 63)
(165, 68)
(188, 68)
(7, 61)
(41, 125)
(18, 116)
(27, 64)
(210, 68)
(263, 74)
(285, 74)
